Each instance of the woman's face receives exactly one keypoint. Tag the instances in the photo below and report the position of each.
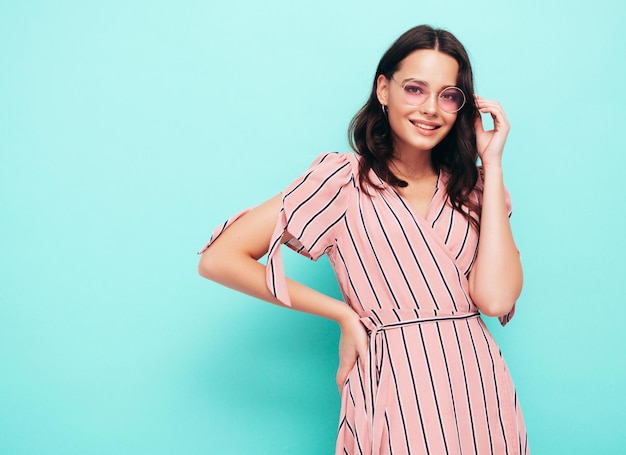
(419, 128)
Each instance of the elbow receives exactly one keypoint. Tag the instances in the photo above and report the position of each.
(496, 309)
(496, 304)
(495, 300)
(208, 266)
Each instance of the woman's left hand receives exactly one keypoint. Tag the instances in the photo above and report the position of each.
(490, 143)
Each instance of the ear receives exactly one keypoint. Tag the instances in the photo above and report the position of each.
(382, 89)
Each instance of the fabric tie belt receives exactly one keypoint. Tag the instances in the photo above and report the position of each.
(377, 322)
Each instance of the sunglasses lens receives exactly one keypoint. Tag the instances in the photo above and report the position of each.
(451, 99)
(415, 93)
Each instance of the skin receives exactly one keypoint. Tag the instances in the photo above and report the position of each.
(412, 143)
(495, 281)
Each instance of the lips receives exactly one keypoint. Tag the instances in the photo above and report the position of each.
(425, 125)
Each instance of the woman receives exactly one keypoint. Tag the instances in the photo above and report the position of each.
(400, 221)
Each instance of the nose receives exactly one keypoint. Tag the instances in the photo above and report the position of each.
(430, 105)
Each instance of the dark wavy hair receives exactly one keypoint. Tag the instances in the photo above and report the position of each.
(456, 153)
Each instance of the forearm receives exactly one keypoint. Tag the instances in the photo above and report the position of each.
(245, 274)
(496, 277)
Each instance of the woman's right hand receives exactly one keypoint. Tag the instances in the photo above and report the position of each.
(352, 346)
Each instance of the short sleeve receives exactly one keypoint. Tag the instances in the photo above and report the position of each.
(313, 207)
(221, 228)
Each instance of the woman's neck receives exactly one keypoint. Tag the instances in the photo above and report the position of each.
(412, 167)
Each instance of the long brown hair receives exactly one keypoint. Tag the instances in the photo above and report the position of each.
(456, 153)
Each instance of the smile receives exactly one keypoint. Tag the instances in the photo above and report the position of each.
(424, 126)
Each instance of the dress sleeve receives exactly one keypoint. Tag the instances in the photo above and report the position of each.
(311, 211)
(313, 207)
(222, 227)
(480, 184)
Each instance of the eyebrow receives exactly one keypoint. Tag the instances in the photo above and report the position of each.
(412, 79)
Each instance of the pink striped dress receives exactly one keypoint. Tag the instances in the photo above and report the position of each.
(434, 381)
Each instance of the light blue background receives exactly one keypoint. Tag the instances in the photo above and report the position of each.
(129, 129)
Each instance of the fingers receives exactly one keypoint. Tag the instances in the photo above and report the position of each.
(483, 102)
(490, 144)
(353, 346)
(363, 352)
(494, 109)
(347, 358)
(347, 364)
(342, 376)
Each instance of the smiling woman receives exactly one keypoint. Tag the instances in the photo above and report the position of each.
(417, 118)
(401, 221)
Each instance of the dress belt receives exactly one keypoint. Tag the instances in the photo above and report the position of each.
(377, 322)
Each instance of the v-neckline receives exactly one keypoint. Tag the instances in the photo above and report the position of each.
(415, 213)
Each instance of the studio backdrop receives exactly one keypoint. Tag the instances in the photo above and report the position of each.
(130, 129)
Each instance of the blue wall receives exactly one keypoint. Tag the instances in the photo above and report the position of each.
(129, 129)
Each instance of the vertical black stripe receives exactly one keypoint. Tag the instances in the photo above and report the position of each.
(495, 382)
(482, 385)
(388, 433)
(440, 212)
(396, 388)
(467, 230)
(432, 384)
(469, 404)
(415, 393)
(449, 227)
(351, 283)
(445, 361)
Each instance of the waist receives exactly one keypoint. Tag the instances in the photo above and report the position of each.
(388, 319)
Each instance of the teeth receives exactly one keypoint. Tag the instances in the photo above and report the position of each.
(426, 127)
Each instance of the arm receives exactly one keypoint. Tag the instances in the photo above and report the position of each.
(495, 281)
(232, 260)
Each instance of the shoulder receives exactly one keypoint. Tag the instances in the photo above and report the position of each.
(345, 161)
(314, 203)
(328, 170)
